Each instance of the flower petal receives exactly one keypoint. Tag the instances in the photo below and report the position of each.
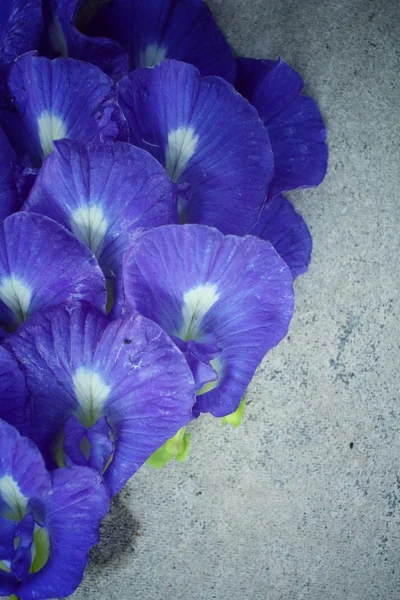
(63, 98)
(103, 194)
(23, 474)
(155, 30)
(294, 122)
(196, 283)
(63, 37)
(14, 406)
(128, 371)
(209, 138)
(41, 265)
(9, 200)
(286, 230)
(78, 503)
(20, 27)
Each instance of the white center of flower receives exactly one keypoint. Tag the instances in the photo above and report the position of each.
(153, 55)
(197, 302)
(13, 497)
(17, 295)
(90, 226)
(57, 37)
(51, 128)
(182, 144)
(91, 393)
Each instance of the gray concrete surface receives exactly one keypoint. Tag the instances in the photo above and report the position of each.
(303, 501)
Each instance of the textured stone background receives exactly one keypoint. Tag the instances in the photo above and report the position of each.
(303, 501)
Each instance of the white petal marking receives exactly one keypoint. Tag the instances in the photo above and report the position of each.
(91, 393)
(90, 226)
(182, 144)
(17, 295)
(51, 128)
(13, 497)
(153, 55)
(197, 303)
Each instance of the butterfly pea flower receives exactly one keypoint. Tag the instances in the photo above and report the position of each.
(225, 300)
(104, 193)
(156, 30)
(106, 394)
(63, 38)
(286, 230)
(20, 27)
(293, 121)
(210, 140)
(42, 265)
(48, 521)
(52, 100)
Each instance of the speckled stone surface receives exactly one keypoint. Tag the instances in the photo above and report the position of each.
(303, 501)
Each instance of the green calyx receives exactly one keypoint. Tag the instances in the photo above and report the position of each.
(177, 447)
(235, 419)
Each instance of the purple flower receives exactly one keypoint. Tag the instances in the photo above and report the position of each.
(209, 139)
(287, 231)
(20, 27)
(42, 265)
(155, 30)
(226, 301)
(9, 198)
(293, 121)
(48, 521)
(62, 38)
(14, 405)
(104, 194)
(57, 99)
(106, 394)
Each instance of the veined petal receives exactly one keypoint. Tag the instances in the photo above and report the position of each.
(14, 405)
(63, 98)
(294, 122)
(197, 283)
(128, 371)
(63, 38)
(103, 194)
(286, 230)
(9, 200)
(78, 503)
(42, 265)
(208, 137)
(20, 27)
(155, 30)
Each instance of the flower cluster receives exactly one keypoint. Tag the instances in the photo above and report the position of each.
(147, 254)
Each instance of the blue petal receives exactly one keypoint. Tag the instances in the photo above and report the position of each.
(9, 200)
(14, 406)
(197, 283)
(7, 535)
(208, 137)
(104, 194)
(63, 38)
(23, 466)
(78, 503)
(287, 231)
(20, 27)
(294, 122)
(41, 265)
(128, 371)
(22, 559)
(155, 30)
(63, 98)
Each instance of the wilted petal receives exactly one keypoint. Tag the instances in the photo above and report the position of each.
(20, 27)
